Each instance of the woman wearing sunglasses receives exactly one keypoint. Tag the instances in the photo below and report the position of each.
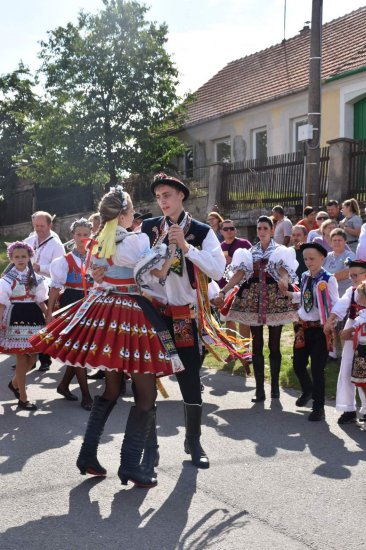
(319, 219)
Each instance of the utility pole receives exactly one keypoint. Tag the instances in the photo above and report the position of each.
(312, 190)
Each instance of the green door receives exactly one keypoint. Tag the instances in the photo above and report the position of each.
(359, 159)
(359, 119)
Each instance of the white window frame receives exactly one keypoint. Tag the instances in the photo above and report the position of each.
(227, 141)
(254, 140)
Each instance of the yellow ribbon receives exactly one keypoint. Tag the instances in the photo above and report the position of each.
(106, 246)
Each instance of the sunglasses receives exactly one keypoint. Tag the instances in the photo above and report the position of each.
(228, 228)
(323, 218)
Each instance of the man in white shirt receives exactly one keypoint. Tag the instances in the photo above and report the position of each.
(283, 227)
(197, 247)
(47, 247)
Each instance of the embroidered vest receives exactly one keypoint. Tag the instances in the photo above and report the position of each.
(354, 308)
(195, 236)
(325, 276)
(74, 277)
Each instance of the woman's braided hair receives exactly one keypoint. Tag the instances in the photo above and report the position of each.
(112, 204)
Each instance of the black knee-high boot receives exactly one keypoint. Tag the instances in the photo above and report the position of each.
(151, 457)
(258, 367)
(87, 461)
(275, 366)
(192, 445)
(138, 428)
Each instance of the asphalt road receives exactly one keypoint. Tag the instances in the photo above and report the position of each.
(276, 480)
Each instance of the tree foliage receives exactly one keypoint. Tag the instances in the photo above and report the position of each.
(18, 102)
(111, 99)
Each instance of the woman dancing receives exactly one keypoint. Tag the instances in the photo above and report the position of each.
(118, 330)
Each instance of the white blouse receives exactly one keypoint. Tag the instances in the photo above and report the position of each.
(40, 292)
(59, 269)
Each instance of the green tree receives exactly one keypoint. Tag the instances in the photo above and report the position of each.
(17, 105)
(112, 98)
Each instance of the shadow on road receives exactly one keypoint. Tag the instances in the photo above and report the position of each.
(125, 527)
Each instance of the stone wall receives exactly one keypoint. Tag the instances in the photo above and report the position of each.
(60, 225)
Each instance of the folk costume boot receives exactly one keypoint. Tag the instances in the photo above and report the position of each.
(258, 367)
(275, 366)
(87, 461)
(138, 429)
(151, 457)
(192, 445)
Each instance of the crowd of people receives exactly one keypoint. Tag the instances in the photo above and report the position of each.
(137, 296)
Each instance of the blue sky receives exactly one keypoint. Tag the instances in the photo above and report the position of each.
(204, 35)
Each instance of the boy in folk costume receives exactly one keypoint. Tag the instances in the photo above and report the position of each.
(347, 305)
(197, 247)
(358, 374)
(318, 294)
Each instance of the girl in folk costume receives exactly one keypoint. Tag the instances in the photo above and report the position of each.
(22, 310)
(358, 335)
(259, 301)
(118, 330)
(318, 294)
(347, 306)
(68, 273)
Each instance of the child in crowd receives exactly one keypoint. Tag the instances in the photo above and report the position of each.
(358, 334)
(68, 274)
(347, 306)
(22, 311)
(318, 294)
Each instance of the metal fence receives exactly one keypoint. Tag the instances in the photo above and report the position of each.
(357, 184)
(279, 179)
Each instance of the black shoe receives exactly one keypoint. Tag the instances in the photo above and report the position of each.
(99, 375)
(86, 405)
(303, 399)
(316, 415)
(44, 367)
(27, 405)
(259, 397)
(67, 394)
(362, 419)
(331, 359)
(275, 393)
(192, 445)
(347, 417)
(14, 390)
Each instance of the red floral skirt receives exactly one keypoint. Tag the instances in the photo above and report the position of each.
(113, 334)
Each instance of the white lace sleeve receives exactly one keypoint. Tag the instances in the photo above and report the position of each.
(283, 257)
(154, 259)
(5, 292)
(242, 261)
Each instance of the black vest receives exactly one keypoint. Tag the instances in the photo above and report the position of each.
(195, 236)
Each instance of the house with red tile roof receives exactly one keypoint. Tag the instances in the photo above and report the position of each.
(253, 107)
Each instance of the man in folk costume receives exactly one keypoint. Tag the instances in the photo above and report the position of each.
(318, 294)
(197, 247)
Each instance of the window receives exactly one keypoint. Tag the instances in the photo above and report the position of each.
(296, 123)
(260, 144)
(223, 150)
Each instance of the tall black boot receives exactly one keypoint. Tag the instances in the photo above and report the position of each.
(151, 457)
(258, 367)
(87, 461)
(138, 428)
(192, 445)
(275, 366)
